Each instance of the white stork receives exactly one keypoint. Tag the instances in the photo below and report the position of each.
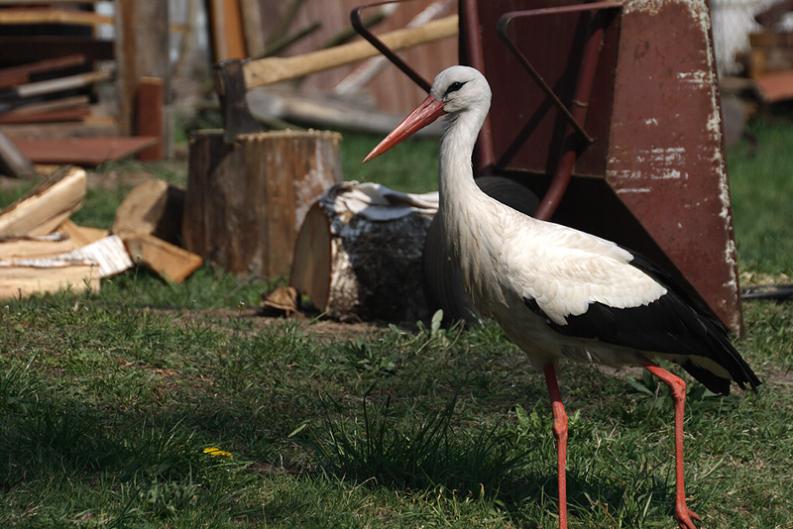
(562, 293)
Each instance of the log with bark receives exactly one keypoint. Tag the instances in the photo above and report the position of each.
(246, 201)
(359, 253)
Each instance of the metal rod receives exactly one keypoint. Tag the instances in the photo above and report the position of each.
(571, 144)
(360, 27)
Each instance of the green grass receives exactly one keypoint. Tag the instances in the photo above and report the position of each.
(107, 402)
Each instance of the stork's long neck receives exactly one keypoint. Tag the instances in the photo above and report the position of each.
(459, 194)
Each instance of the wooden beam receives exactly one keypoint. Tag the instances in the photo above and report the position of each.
(10, 17)
(150, 117)
(276, 69)
(17, 75)
(142, 49)
(225, 23)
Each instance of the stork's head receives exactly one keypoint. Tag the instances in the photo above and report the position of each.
(455, 90)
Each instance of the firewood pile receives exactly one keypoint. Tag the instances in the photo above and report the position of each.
(69, 94)
(42, 250)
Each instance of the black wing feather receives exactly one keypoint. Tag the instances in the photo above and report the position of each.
(678, 323)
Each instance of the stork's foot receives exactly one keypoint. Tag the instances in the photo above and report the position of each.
(684, 517)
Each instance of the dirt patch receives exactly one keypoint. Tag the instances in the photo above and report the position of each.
(326, 330)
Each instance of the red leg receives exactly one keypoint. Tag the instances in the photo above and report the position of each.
(678, 387)
(560, 433)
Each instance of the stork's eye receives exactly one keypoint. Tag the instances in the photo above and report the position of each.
(454, 87)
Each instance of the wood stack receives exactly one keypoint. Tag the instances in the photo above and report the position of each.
(41, 250)
(55, 62)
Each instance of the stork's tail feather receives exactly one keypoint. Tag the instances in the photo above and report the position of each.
(729, 359)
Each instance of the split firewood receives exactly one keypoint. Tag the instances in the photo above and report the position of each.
(78, 270)
(152, 207)
(22, 279)
(170, 262)
(359, 252)
(46, 207)
(68, 237)
(82, 235)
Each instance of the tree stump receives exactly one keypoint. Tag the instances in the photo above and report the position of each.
(363, 263)
(246, 201)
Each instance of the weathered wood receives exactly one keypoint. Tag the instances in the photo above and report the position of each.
(142, 49)
(39, 246)
(76, 114)
(245, 201)
(252, 22)
(46, 207)
(83, 151)
(152, 207)
(275, 69)
(225, 25)
(150, 118)
(52, 16)
(170, 262)
(352, 267)
(13, 162)
(17, 75)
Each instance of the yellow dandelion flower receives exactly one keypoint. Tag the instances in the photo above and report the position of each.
(214, 451)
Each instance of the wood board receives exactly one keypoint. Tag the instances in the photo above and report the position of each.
(83, 151)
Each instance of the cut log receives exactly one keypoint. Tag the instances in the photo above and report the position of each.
(246, 201)
(152, 207)
(169, 262)
(46, 207)
(21, 280)
(362, 260)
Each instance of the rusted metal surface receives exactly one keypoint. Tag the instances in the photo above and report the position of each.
(575, 138)
(655, 178)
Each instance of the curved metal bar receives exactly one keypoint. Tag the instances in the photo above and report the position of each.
(360, 28)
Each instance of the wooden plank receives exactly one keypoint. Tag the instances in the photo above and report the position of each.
(93, 126)
(34, 48)
(17, 75)
(276, 69)
(225, 23)
(142, 49)
(47, 206)
(52, 116)
(170, 262)
(84, 151)
(49, 105)
(52, 16)
(60, 84)
(254, 33)
(150, 117)
(13, 162)
(775, 87)
(46, 2)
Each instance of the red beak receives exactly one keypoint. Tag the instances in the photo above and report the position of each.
(428, 111)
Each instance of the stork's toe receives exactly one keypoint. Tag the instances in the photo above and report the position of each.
(684, 517)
